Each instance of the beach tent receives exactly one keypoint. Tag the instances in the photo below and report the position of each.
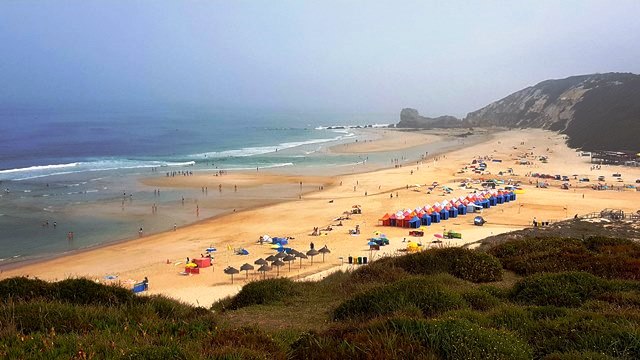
(500, 198)
(280, 241)
(385, 220)
(462, 209)
(493, 201)
(426, 220)
(407, 220)
(415, 222)
(453, 212)
(392, 220)
(435, 217)
(444, 214)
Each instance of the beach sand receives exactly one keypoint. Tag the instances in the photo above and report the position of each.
(386, 140)
(161, 257)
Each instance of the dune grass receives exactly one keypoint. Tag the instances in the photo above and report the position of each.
(444, 304)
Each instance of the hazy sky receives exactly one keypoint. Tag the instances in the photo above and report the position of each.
(356, 56)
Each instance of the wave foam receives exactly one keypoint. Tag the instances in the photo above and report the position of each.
(261, 150)
(34, 172)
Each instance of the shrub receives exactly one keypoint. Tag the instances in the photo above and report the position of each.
(263, 292)
(382, 270)
(465, 264)
(561, 289)
(461, 339)
(155, 352)
(601, 256)
(359, 343)
(253, 342)
(85, 291)
(578, 356)
(418, 292)
(585, 332)
(23, 289)
(479, 299)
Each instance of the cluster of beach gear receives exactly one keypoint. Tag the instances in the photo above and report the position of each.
(428, 214)
(282, 257)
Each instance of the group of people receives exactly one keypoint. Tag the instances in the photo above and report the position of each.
(178, 173)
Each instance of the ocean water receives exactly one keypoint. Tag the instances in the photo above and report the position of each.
(56, 165)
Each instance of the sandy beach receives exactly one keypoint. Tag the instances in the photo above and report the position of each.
(161, 257)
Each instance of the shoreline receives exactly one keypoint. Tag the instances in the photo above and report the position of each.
(319, 208)
(202, 177)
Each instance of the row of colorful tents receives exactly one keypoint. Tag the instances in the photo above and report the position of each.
(447, 209)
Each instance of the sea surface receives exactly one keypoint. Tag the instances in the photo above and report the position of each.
(60, 166)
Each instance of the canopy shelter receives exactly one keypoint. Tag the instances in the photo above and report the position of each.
(415, 222)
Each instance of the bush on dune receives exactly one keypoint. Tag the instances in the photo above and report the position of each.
(601, 256)
(465, 264)
(23, 289)
(416, 292)
(565, 289)
(75, 291)
(263, 292)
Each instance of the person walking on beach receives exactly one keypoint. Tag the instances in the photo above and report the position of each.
(140, 232)
(175, 226)
(312, 245)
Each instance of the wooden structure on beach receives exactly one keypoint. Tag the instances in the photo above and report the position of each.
(615, 158)
(612, 214)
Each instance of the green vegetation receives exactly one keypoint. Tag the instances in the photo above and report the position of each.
(442, 304)
(605, 257)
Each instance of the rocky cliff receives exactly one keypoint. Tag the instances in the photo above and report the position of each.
(597, 112)
(410, 118)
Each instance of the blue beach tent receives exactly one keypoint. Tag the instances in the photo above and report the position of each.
(435, 217)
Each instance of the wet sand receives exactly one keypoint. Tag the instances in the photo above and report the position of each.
(161, 257)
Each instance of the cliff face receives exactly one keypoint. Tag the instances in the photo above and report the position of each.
(410, 118)
(597, 112)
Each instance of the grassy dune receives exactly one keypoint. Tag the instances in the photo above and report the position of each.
(554, 298)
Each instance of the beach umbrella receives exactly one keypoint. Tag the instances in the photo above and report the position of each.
(191, 265)
(438, 236)
(289, 258)
(294, 252)
(301, 256)
(271, 258)
(263, 269)
(260, 261)
(281, 255)
(325, 250)
(231, 271)
(246, 267)
(312, 253)
(277, 264)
